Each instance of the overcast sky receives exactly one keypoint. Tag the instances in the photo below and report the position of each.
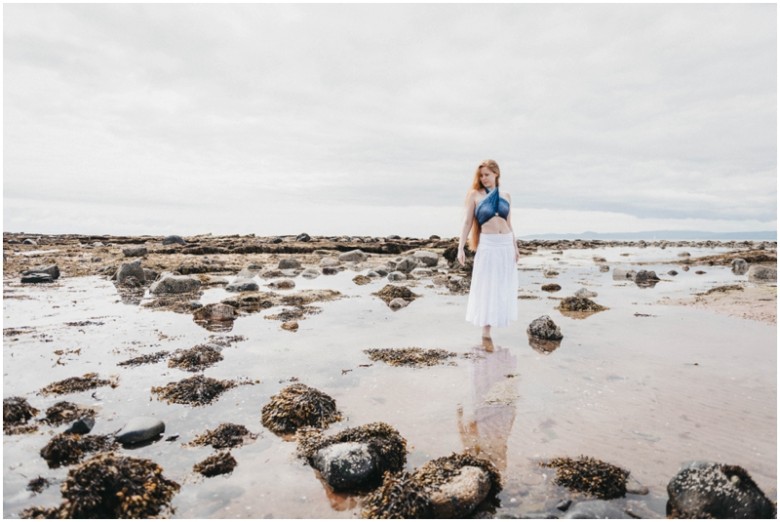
(371, 119)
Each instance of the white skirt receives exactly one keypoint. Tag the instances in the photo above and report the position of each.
(493, 292)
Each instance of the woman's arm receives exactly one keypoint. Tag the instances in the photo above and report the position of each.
(509, 222)
(467, 224)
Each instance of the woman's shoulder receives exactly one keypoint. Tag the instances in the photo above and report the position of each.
(505, 194)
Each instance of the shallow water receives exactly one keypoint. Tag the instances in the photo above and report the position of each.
(646, 393)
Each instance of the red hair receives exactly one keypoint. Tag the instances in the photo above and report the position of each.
(476, 229)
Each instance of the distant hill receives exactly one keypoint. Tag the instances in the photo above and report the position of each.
(672, 235)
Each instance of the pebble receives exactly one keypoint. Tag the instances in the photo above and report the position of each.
(140, 429)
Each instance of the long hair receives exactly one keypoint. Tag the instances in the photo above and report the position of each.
(476, 228)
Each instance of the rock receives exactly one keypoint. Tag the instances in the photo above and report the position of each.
(132, 269)
(739, 266)
(544, 328)
(672, 272)
(311, 273)
(36, 277)
(290, 326)
(150, 275)
(82, 426)
(427, 258)
(762, 274)
(372, 274)
(579, 304)
(345, 465)
(382, 272)
(297, 406)
(398, 303)
(603, 268)
(216, 312)
(361, 280)
(551, 287)
(584, 292)
(173, 284)
(289, 262)
(174, 240)
(242, 285)
(620, 273)
(138, 251)
(419, 273)
(304, 238)
(29, 241)
(461, 494)
(634, 487)
(646, 278)
(282, 284)
(248, 272)
(595, 509)
(684, 254)
(709, 490)
(330, 270)
(393, 237)
(434, 237)
(140, 429)
(353, 256)
(563, 505)
(329, 261)
(52, 270)
(407, 264)
(549, 272)
(396, 276)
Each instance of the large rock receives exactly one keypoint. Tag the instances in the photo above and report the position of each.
(215, 312)
(174, 240)
(137, 251)
(329, 261)
(545, 328)
(132, 269)
(242, 285)
(461, 494)
(584, 292)
(407, 264)
(709, 490)
(646, 278)
(289, 262)
(346, 465)
(140, 429)
(52, 270)
(353, 256)
(396, 276)
(762, 274)
(595, 509)
(427, 258)
(173, 284)
(739, 266)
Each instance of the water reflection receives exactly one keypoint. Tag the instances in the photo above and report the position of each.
(543, 346)
(485, 429)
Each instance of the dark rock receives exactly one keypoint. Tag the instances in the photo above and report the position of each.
(303, 237)
(563, 505)
(174, 240)
(346, 465)
(551, 287)
(390, 292)
(544, 328)
(82, 426)
(330, 270)
(138, 251)
(709, 490)
(646, 278)
(35, 277)
(282, 284)
(140, 429)
(52, 270)
(407, 264)
(672, 272)
(127, 270)
(595, 509)
(739, 266)
(288, 262)
(588, 475)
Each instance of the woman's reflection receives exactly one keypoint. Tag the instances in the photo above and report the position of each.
(485, 430)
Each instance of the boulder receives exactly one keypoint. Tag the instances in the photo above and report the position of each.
(595, 509)
(427, 258)
(396, 276)
(709, 490)
(132, 269)
(82, 426)
(346, 465)
(311, 273)
(407, 264)
(330, 270)
(739, 266)
(37, 277)
(242, 285)
(762, 274)
(52, 270)
(329, 261)
(353, 256)
(173, 284)
(137, 251)
(544, 328)
(304, 238)
(461, 494)
(646, 278)
(289, 262)
(174, 240)
(140, 429)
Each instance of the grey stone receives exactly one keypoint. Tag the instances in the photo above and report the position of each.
(762, 274)
(353, 256)
(646, 277)
(82, 426)
(330, 270)
(672, 272)
(407, 264)
(242, 285)
(427, 258)
(419, 273)
(603, 268)
(52, 270)
(396, 276)
(708, 490)
(584, 292)
(137, 251)
(544, 328)
(372, 274)
(140, 429)
(634, 487)
(303, 237)
(174, 240)
(173, 284)
(311, 273)
(289, 262)
(215, 312)
(346, 465)
(132, 269)
(398, 303)
(329, 261)
(150, 275)
(595, 509)
(739, 266)
(36, 277)
(382, 272)
(29, 241)
(459, 496)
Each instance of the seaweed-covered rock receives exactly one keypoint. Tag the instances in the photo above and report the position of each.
(64, 411)
(709, 490)
(589, 475)
(296, 406)
(16, 412)
(38, 484)
(219, 464)
(551, 287)
(140, 429)
(356, 457)
(195, 359)
(579, 304)
(399, 496)
(65, 448)
(646, 278)
(390, 292)
(226, 435)
(197, 391)
(88, 381)
(216, 317)
(113, 486)
(416, 357)
(544, 328)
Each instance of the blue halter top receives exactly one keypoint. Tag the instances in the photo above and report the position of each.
(491, 205)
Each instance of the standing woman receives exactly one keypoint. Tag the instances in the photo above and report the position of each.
(493, 293)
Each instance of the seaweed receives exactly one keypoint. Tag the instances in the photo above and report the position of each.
(226, 435)
(590, 476)
(399, 496)
(64, 411)
(145, 359)
(197, 391)
(195, 359)
(296, 406)
(390, 292)
(65, 449)
(416, 357)
(214, 465)
(38, 484)
(88, 381)
(16, 412)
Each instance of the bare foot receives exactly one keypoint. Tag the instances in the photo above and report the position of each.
(487, 344)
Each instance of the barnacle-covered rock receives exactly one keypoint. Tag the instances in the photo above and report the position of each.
(296, 406)
(356, 457)
(112, 486)
(589, 475)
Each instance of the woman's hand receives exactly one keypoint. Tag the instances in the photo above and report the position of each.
(517, 256)
(461, 256)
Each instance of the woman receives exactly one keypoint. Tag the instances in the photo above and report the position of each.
(493, 293)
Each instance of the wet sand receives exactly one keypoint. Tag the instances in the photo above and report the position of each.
(647, 384)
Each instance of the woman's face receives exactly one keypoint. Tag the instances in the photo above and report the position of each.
(487, 177)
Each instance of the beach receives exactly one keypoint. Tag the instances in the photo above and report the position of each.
(679, 369)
